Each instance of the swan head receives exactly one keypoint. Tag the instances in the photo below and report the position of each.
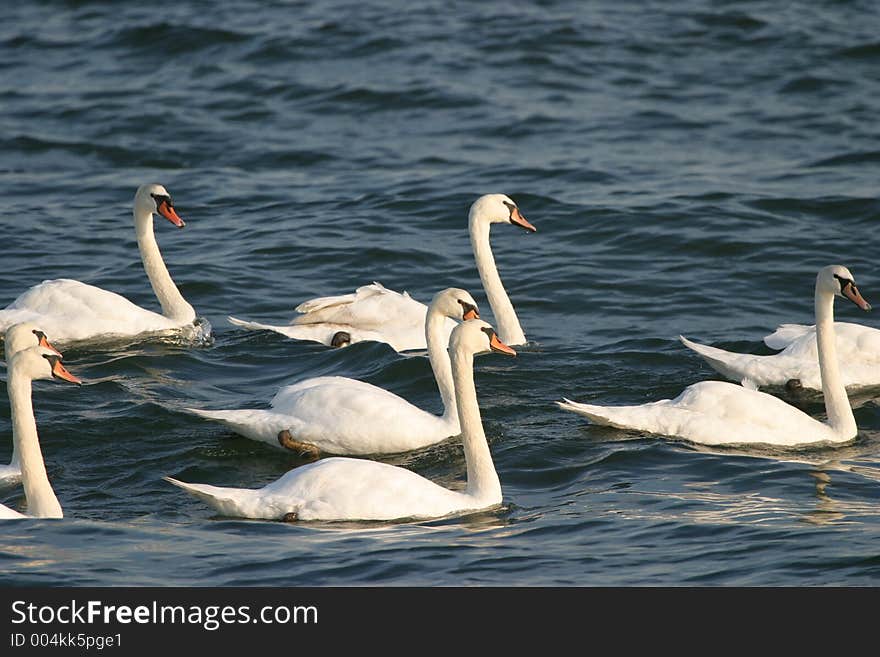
(24, 335)
(837, 280)
(475, 336)
(155, 199)
(40, 362)
(498, 209)
(455, 303)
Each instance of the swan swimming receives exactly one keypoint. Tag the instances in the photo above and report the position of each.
(341, 488)
(339, 415)
(72, 311)
(29, 365)
(374, 312)
(720, 413)
(797, 365)
(19, 337)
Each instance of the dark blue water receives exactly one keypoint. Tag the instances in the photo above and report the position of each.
(689, 167)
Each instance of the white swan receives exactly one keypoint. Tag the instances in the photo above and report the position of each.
(29, 365)
(71, 311)
(373, 312)
(20, 337)
(338, 415)
(858, 351)
(717, 413)
(342, 488)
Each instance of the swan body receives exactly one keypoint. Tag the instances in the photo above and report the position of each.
(858, 350)
(338, 415)
(72, 311)
(19, 337)
(28, 365)
(373, 312)
(342, 488)
(718, 413)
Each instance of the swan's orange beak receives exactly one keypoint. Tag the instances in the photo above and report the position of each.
(44, 342)
(60, 372)
(519, 220)
(498, 346)
(167, 210)
(851, 292)
(471, 314)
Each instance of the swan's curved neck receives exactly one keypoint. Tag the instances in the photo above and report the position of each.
(482, 480)
(509, 329)
(837, 407)
(174, 306)
(436, 339)
(41, 500)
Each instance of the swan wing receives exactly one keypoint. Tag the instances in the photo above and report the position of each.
(346, 416)
(334, 489)
(339, 416)
(370, 307)
(357, 489)
(785, 334)
(714, 413)
(70, 310)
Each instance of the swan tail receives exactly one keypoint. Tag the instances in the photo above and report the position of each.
(785, 334)
(256, 424)
(256, 503)
(604, 415)
(251, 326)
(723, 362)
(230, 502)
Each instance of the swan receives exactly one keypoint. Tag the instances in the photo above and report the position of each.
(858, 351)
(19, 337)
(341, 488)
(338, 415)
(719, 413)
(374, 312)
(70, 311)
(29, 365)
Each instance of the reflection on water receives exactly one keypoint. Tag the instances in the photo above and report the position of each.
(827, 510)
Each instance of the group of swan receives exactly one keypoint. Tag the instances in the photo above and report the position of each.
(365, 419)
(29, 364)
(341, 488)
(341, 416)
(718, 413)
(338, 415)
(373, 312)
(18, 338)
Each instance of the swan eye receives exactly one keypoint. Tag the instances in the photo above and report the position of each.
(40, 335)
(489, 332)
(468, 309)
(161, 198)
(511, 207)
(844, 282)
